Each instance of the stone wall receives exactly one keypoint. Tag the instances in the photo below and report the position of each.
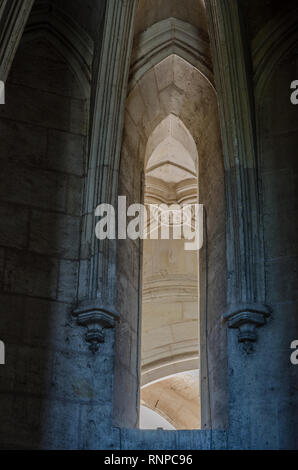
(262, 384)
(279, 173)
(49, 378)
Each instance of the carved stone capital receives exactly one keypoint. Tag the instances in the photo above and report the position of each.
(247, 318)
(95, 318)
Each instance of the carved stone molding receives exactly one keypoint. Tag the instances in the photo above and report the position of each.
(110, 78)
(95, 319)
(170, 36)
(247, 318)
(273, 42)
(234, 82)
(66, 36)
(13, 18)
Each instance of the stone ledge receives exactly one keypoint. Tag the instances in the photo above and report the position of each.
(247, 318)
(95, 318)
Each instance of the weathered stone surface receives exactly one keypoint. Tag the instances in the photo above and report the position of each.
(33, 187)
(68, 281)
(28, 148)
(75, 195)
(15, 220)
(66, 152)
(37, 107)
(78, 117)
(55, 234)
(41, 72)
(30, 274)
(182, 440)
(96, 431)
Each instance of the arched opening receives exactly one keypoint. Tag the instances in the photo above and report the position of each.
(171, 336)
(170, 310)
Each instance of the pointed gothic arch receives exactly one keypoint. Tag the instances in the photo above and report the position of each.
(174, 87)
(170, 37)
(274, 41)
(66, 37)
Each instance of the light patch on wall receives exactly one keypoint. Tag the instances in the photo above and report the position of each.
(2, 353)
(2, 92)
(294, 95)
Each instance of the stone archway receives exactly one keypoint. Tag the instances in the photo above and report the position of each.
(170, 313)
(175, 88)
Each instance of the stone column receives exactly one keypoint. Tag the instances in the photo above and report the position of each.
(97, 290)
(245, 252)
(251, 400)
(13, 18)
